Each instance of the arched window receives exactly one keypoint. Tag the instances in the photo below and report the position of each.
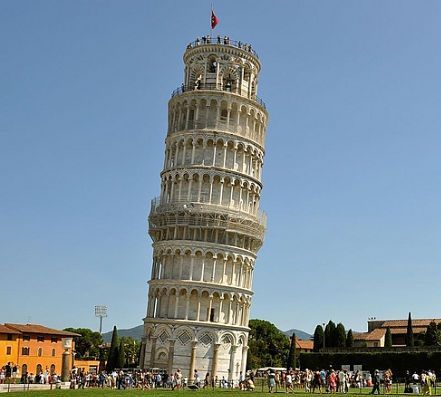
(40, 352)
(25, 351)
(53, 352)
(212, 65)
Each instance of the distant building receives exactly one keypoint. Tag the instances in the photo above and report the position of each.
(304, 345)
(375, 336)
(32, 348)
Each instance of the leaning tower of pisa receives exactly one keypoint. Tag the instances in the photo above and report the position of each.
(206, 225)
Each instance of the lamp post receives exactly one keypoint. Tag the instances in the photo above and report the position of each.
(101, 311)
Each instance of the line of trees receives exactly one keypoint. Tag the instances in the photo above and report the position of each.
(332, 336)
(122, 353)
(432, 336)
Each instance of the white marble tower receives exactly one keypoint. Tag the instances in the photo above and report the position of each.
(206, 225)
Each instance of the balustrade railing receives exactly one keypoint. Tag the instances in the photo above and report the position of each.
(225, 41)
(188, 206)
(227, 87)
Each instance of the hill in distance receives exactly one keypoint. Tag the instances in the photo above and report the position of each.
(299, 334)
(136, 333)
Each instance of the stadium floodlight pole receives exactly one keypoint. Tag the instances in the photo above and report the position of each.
(101, 311)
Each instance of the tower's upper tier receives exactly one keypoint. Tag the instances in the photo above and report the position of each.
(221, 64)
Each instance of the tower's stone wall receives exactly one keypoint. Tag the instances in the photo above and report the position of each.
(206, 225)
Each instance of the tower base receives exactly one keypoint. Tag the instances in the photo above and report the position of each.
(220, 352)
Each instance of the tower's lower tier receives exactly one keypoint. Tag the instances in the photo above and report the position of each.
(220, 351)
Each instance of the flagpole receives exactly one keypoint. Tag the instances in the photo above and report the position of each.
(211, 16)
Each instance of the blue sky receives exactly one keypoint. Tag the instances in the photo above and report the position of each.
(352, 168)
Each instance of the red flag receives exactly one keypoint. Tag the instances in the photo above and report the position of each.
(214, 20)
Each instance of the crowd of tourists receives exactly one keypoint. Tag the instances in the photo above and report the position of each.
(339, 381)
(140, 379)
(10, 373)
(323, 381)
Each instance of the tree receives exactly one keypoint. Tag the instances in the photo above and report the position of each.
(112, 358)
(86, 345)
(121, 355)
(330, 335)
(292, 359)
(340, 336)
(268, 346)
(318, 338)
(388, 338)
(131, 350)
(350, 339)
(409, 333)
(433, 335)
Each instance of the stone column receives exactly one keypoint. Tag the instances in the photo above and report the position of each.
(180, 189)
(190, 185)
(65, 367)
(187, 305)
(153, 352)
(176, 155)
(199, 307)
(171, 353)
(230, 311)
(191, 266)
(216, 123)
(211, 189)
(221, 190)
(202, 269)
(210, 305)
(192, 361)
(192, 152)
(214, 268)
(225, 155)
(233, 272)
(244, 359)
(214, 361)
(221, 304)
(172, 191)
(201, 177)
(181, 257)
(176, 304)
(239, 282)
(142, 353)
(231, 192)
(214, 153)
(232, 358)
(186, 125)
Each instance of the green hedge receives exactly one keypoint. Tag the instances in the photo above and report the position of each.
(399, 362)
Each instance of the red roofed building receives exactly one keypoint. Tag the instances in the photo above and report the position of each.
(304, 345)
(375, 336)
(32, 348)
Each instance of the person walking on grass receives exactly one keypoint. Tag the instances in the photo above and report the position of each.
(271, 380)
(376, 382)
(288, 383)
